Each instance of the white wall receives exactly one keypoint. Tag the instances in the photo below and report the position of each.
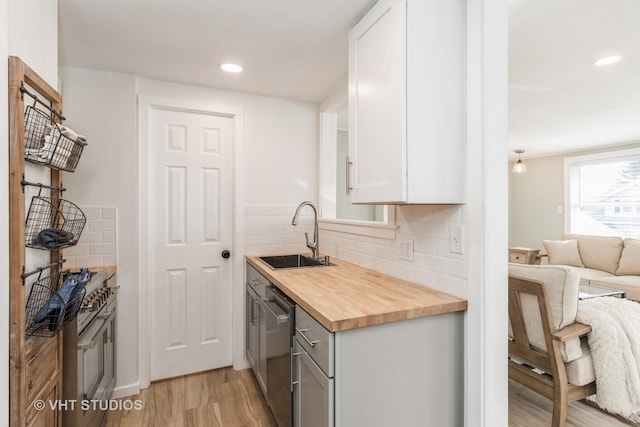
(279, 163)
(102, 106)
(534, 197)
(33, 36)
(28, 29)
(280, 155)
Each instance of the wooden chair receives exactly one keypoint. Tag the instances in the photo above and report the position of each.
(523, 356)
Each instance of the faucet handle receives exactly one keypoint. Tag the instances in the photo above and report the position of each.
(306, 236)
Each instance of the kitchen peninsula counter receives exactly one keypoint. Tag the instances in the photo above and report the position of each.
(345, 296)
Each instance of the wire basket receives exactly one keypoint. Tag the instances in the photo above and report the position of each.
(53, 224)
(45, 143)
(47, 311)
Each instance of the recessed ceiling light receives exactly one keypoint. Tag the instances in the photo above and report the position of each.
(231, 68)
(607, 60)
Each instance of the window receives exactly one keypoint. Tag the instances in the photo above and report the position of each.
(336, 212)
(603, 194)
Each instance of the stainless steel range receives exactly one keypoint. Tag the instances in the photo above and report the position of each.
(89, 354)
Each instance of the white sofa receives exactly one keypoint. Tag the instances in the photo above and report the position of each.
(610, 262)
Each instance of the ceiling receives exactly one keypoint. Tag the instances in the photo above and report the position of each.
(289, 48)
(558, 101)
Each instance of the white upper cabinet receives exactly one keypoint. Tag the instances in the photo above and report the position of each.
(407, 103)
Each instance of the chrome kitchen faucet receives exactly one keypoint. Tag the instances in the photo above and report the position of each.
(311, 245)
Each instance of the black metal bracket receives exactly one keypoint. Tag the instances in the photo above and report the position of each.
(25, 183)
(41, 269)
(24, 90)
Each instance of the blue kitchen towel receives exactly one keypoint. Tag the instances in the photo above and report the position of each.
(58, 300)
(83, 278)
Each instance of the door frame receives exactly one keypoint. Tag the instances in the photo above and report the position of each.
(145, 104)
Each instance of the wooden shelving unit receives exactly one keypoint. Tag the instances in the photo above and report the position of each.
(35, 363)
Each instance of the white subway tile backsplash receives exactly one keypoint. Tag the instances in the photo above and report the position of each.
(97, 246)
(268, 229)
(109, 260)
(422, 276)
(102, 225)
(435, 263)
(92, 213)
(90, 237)
(428, 226)
(456, 268)
(79, 249)
(89, 261)
(102, 249)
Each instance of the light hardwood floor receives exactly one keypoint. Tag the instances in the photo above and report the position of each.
(529, 409)
(222, 397)
(229, 398)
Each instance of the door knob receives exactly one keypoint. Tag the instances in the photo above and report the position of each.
(226, 254)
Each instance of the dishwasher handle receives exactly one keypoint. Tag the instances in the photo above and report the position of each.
(280, 318)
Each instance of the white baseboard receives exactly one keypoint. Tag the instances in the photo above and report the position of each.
(126, 390)
(240, 364)
(134, 388)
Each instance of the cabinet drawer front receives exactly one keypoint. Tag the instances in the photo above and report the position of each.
(315, 339)
(517, 257)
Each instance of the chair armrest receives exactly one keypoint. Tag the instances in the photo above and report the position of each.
(572, 331)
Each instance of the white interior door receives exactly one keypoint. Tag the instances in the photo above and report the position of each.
(191, 223)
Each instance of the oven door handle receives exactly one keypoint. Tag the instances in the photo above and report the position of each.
(86, 345)
(98, 325)
(105, 315)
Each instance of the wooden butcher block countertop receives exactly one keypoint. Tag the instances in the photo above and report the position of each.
(347, 296)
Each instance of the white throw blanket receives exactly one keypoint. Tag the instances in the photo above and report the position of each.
(615, 350)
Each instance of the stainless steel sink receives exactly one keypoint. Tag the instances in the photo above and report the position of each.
(294, 261)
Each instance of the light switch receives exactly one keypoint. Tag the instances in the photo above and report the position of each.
(559, 210)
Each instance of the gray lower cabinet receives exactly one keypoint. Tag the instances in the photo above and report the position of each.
(406, 373)
(312, 392)
(313, 370)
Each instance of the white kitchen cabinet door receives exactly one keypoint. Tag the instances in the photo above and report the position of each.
(376, 104)
(407, 103)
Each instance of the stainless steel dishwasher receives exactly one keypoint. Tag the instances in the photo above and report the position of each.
(270, 326)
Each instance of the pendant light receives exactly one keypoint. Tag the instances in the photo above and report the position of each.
(519, 167)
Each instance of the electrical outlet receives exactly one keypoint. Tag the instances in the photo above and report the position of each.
(406, 249)
(455, 239)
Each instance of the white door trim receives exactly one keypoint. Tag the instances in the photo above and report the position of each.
(486, 379)
(145, 103)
